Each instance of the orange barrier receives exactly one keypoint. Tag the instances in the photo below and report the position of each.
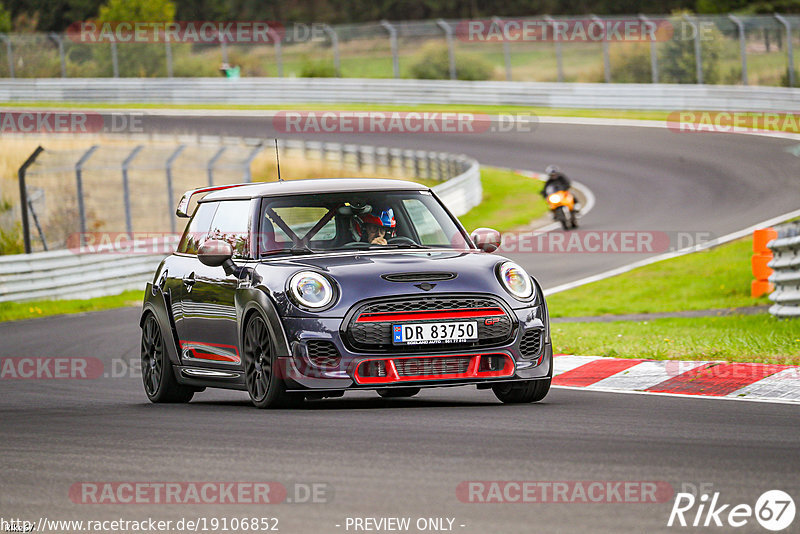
(761, 286)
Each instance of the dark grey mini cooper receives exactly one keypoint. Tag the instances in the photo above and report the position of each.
(309, 288)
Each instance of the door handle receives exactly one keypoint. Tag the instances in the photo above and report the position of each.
(188, 281)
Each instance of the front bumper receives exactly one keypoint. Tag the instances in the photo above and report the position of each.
(438, 367)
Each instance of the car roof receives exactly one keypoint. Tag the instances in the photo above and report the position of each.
(316, 185)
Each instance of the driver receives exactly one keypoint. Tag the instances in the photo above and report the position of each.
(559, 182)
(377, 226)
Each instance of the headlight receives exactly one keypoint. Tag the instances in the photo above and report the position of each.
(555, 198)
(516, 280)
(311, 290)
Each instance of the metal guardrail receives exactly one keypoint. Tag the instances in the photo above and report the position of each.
(786, 266)
(254, 91)
(65, 274)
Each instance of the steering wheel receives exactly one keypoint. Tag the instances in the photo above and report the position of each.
(401, 240)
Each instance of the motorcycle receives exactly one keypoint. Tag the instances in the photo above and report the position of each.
(562, 206)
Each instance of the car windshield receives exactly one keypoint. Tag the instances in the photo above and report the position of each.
(304, 224)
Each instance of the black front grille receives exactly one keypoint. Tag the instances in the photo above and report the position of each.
(323, 353)
(377, 335)
(531, 344)
(432, 366)
(429, 303)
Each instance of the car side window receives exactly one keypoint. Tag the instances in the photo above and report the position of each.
(232, 224)
(427, 227)
(197, 230)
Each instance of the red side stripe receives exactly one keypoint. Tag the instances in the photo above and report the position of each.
(717, 379)
(592, 372)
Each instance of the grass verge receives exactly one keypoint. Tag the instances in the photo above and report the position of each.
(510, 200)
(15, 311)
(737, 338)
(715, 278)
(309, 106)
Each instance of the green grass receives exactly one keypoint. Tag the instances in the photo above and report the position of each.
(510, 200)
(717, 278)
(16, 311)
(466, 108)
(739, 338)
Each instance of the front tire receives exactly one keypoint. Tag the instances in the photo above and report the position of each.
(562, 214)
(264, 385)
(397, 393)
(522, 392)
(158, 377)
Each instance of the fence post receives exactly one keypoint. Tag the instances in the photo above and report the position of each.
(698, 57)
(331, 33)
(9, 53)
(653, 52)
(212, 162)
(393, 42)
(789, 50)
(60, 44)
(742, 45)
(451, 53)
(114, 59)
(248, 175)
(170, 196)
(79, 186)
(506, 47)
(168, 50)
(23, 197)
(606, 60)
(559, 55)
(126, 191)
(276, 38)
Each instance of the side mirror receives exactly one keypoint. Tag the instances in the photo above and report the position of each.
(486, 239)
(216, 253)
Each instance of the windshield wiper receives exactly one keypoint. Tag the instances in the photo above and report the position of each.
(398, 245)
(294, 251)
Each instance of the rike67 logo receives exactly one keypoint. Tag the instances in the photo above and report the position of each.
(774, 510)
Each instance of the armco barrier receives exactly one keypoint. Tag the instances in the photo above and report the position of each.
(786, 264)
(64, 274)
(338, 90)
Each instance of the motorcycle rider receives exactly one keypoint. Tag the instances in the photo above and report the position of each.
(557, 181)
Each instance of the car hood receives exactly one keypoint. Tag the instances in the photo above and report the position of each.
(359, 275)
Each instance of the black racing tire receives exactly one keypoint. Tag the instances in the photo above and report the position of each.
(158, 376)
(562, 214)
(264, 384)
(397, 393)
(573, 219)
(522, 392)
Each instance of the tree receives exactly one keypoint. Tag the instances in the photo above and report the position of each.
(137, 11)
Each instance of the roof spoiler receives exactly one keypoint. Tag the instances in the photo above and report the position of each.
(183, 205)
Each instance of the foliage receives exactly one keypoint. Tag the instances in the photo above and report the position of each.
(317, 68)
(432, 62)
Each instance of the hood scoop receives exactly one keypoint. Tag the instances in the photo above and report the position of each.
(418, 277)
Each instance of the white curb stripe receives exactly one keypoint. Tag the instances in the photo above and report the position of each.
(782, 385)
(646, 374)
(562, 364)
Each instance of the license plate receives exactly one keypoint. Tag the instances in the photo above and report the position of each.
(424, 333)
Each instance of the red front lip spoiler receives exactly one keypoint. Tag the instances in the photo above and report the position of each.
(472, 372)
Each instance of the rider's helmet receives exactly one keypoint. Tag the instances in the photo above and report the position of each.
(551, 170)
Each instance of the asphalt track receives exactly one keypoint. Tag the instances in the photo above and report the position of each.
(406, 457)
